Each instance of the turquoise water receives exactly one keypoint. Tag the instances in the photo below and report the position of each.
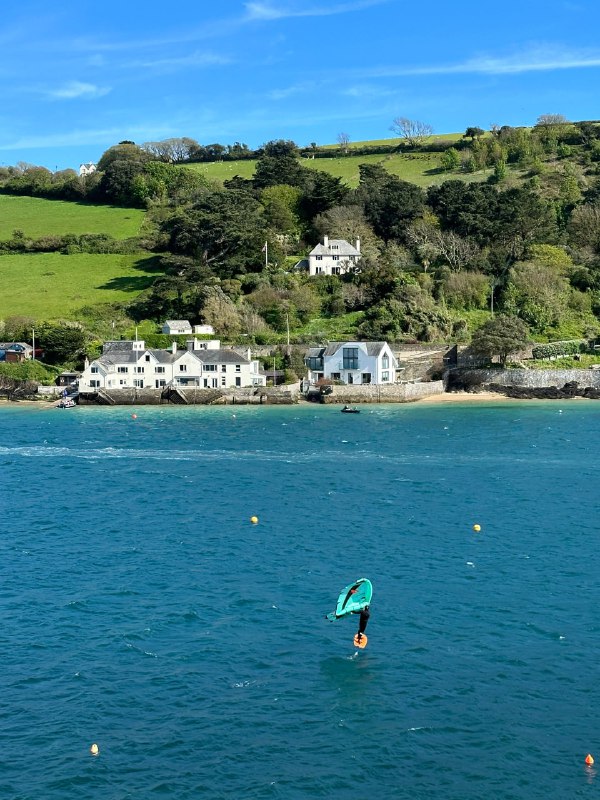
(142, 610)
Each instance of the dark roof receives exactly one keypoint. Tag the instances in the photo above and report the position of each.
(220, 356)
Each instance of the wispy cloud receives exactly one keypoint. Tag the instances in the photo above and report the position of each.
(196, 59)
(290, 91)
(365, 90)
(269, 11)
(76, 89)
(536, 59)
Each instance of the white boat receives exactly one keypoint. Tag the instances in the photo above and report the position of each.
(66, 402)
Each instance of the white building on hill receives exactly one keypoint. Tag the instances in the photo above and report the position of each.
(333, 257)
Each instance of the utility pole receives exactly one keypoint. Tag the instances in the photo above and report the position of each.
(33, 343)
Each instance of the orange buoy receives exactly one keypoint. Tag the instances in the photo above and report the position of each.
(589, 760)
(94, 750)
(134, 416)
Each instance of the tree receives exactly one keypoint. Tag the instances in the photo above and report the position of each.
(343, 139)
(500, 337)
(60, 343)
(390, 204)
(473, 133)
(224, 230)
(413, 131)
(450, 159)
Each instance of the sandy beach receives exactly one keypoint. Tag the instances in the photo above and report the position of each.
(467, 397)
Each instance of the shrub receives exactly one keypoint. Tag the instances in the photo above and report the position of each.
(558, 349)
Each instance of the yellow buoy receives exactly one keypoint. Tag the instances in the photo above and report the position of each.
(476, 528)
(94, 750)
(254, 520)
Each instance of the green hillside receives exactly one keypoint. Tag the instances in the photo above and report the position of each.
(38, 217)
(54, 286)
(422, 169)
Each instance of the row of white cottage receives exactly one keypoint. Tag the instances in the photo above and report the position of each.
(205, 364)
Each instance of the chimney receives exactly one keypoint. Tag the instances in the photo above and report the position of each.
(326, 241)
(249, 355)
(174, 348)
(358, 243)
(190, 345)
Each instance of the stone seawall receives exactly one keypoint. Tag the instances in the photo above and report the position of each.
(394, 393)
(546, 383)
(200, 397)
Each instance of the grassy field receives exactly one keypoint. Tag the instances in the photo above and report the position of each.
(38, 217)
(419, 168)
(53, 286)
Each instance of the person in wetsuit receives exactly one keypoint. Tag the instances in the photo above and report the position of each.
(362, 621)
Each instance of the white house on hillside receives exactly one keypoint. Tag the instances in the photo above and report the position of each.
(352, 363)
(333, 257)
(177, 327)
(130, 364)
(87, 169)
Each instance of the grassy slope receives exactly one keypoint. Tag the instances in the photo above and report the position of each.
(419, 168)
(52, 286)
(38, 217)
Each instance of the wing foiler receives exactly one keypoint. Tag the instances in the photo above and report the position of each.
(353, 598)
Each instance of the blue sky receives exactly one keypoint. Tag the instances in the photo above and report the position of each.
(78, 76)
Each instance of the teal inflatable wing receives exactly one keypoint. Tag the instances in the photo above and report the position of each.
(353, 598)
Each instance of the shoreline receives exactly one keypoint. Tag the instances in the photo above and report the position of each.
(444, 398)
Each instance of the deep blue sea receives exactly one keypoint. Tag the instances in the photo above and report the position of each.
(141, 610)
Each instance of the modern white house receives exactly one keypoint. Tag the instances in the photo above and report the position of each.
(130, 364)
(352, 363)
(333, 257)
(177, 327)
(87, 169)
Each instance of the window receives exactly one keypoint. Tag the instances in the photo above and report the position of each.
(122, 369)
(223, 367)
(335, 247)
(335, 258)
(123, 382)
(223, 381)
(335, 270)
(335, 376)
(147, 357)
(238, 367)
(365, 377)
(94, 370)
(319, 271)
(139, 370)
(160, 370)
(319, 258)
(209, 367)
(183, 368)
(215, 383)
(350, 355)
(385, 362)
(160, 383)
(314, 362)
(238, 381)
(94, 384)
(350, 378)
(385, 376)
(139, 383)
(206, 383)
